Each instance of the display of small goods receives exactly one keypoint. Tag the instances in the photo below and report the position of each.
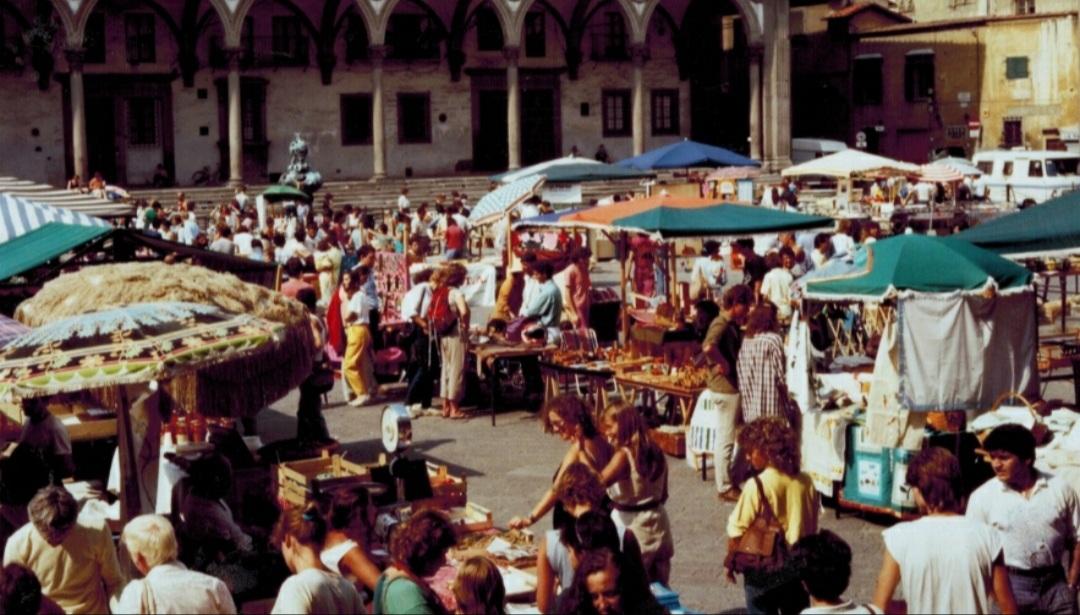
(516, 548)
(185, 428)
(658, 374)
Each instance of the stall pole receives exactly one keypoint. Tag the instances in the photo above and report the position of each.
(622, 287)
(673, 277)
(129, 481)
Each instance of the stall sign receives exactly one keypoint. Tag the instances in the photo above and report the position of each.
(562, 193)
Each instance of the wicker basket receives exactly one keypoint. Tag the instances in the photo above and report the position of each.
(1039, 430)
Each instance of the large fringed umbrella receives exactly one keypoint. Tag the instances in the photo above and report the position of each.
(241, 387)
(128, 345)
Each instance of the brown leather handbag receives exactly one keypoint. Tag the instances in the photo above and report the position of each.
(762, 549)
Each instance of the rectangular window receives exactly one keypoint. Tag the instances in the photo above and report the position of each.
(1035, 168)
(1007, 169)
(1016, 67)
(1012, 133)
(866, 88)
(535, 35)
(414, 118)
(288, 44)
(1025, 7)
(616, 106)
(665, 112)
(614, 36)
(355, 119)
(94, 39)
(139, 34)
(489, 36)
(356, 39)
(412, 37)
(919, 77)
(247, 42)
(142, 121)
(253, 115)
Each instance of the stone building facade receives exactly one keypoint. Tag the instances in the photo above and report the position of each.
(381, 87)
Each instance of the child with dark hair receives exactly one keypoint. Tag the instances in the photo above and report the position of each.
(824, 564)
(603, 586)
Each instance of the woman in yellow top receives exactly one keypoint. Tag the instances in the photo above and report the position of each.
(771, 446)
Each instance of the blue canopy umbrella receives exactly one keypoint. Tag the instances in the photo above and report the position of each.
(686, 154)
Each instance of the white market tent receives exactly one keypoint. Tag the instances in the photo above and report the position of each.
(78, 202)
(851, 162)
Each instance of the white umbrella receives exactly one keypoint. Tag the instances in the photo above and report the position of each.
(539, 168)
(851, 162)
(500, 201)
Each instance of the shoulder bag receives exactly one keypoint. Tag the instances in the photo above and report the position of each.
(762, 549)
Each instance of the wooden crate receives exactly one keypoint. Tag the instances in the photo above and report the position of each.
(465, 519)
(449, 491)
(299, 480)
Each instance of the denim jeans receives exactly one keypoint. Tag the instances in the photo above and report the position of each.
(1048, 593)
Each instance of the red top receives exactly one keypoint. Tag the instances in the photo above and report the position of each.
(455, 238)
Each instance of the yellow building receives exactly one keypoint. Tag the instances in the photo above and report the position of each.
(966, 84)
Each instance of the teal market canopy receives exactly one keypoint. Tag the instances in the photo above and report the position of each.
(924, 264)
(19, 215)
(1043, 230)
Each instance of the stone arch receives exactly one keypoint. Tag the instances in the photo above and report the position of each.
(159, 11)
(749, 10)
(378, 33)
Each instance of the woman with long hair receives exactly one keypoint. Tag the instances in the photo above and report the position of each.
(350, 517)
(604, 585)
(636, 478)
(312, 588)
(567, 417)
(478, 588)
(771, 446)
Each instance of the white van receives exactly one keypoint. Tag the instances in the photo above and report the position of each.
(1027, 177)
(803, 149)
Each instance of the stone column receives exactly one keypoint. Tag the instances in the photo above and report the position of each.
(777, 85)
(513, 108)
(755, 103)
(638, 53)
(78, 114)
(377, 53)
(236, 127)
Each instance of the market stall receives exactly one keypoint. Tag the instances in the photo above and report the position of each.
(107, 352)
(922, 330)
(845, 169)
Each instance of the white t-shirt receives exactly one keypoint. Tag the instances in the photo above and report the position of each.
(403, 203)
(844, 608)
(242, 241)
(360, 305)
(946, 563)
(317, 591)
(842, 244)
(776, 287)
(175, 589)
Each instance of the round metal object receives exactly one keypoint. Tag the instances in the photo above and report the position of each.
(396, 428)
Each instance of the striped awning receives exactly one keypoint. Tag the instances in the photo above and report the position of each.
(939, 173)
(79, 202)
(19, 216)
(500, 201)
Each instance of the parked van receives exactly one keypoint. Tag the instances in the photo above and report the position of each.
(804, 149)
(1027, 177)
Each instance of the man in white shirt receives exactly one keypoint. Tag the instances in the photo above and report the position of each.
(223, 244)
(922, 192)
(403, 200)
(776, 285)
(529, 210)
(708, 275)
(1038, 518)
(167, 585)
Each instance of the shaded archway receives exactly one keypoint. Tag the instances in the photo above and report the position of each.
(714, 53)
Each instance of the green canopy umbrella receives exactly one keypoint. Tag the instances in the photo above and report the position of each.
(722, 219)
(1050, 228)
(282, 192)
(43, 244)
(924, 264)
